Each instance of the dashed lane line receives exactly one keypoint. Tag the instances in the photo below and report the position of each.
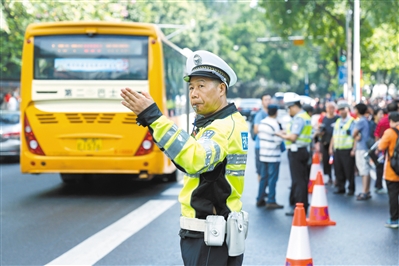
(100, 244)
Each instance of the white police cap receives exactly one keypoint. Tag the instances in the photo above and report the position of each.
(290, 98)
(206, 64)
(343, 104)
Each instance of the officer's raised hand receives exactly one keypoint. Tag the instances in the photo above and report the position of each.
(135, 101)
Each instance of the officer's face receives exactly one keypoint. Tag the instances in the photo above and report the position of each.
(291, 110)
(343, 112)
(207, 96)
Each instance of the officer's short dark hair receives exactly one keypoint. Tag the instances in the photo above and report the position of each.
(393, 116)
(361, 108)
(298, 103)
(218, 81)
(392, 107)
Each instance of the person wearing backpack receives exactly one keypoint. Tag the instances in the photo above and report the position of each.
(389, 142)
(383, 125)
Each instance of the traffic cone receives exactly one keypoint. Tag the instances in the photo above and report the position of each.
(318, 214)
(314, 170)
(298, 253)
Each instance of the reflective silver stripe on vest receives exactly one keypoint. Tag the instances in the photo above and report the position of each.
(235, 172)
(177, 145)
(207, 145)
(217, 151)
(193, 176)
(217, 156)
(236, 159)
(168, 135)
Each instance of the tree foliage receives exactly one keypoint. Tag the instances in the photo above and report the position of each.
(323, 24)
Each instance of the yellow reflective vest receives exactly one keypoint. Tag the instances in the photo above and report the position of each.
(213, 159)
(305, 137)
(343, 139)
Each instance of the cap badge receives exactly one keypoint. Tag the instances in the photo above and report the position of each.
(197, 60)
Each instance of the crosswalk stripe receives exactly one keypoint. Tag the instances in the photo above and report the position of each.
(174, 191)
(100, 244)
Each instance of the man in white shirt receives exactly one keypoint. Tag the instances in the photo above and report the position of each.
(270, 156)
(12, 104)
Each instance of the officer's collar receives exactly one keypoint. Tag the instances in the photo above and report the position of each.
(300, 112)
(202, 121)
(346, 118)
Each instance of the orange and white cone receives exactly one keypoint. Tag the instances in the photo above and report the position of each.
(318, 214)
(314, 170)
(298, 252)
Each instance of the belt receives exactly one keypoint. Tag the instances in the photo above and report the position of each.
(192, 224)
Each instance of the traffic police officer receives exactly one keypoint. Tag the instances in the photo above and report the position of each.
(213, 158)
(342, 147)
(297, 139)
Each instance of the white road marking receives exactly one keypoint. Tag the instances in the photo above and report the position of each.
(100, 244)
(171, 192)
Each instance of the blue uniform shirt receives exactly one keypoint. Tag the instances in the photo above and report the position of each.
(259, 117)
(297, 124)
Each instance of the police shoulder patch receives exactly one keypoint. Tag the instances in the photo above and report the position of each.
(208, 134)
(244, 140)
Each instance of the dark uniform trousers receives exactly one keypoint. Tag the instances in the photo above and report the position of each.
(298, 162)
(196, 253)
(393, 194)
(344, 167)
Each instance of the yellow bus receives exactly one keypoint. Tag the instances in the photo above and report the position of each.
(73, 121)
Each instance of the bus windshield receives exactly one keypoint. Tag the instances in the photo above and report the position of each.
(97, 57)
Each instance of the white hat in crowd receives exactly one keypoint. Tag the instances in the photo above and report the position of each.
(206, 64)
(343, 104)
(290, 98)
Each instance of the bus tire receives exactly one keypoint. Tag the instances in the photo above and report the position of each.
(71, 178)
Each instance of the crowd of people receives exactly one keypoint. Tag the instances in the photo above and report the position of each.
(10, 101)
(353, 140)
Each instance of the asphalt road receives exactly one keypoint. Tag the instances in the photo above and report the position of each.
(115, 221)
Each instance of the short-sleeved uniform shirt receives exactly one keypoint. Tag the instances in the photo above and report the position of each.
(297, 124)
